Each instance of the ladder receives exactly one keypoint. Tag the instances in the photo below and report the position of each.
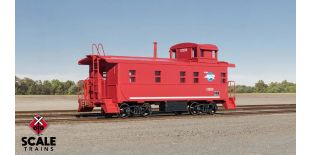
(94, 84)
(95, 78)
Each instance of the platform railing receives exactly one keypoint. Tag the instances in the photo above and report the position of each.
(231, 88)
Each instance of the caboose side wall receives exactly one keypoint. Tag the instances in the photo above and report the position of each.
(170, 87)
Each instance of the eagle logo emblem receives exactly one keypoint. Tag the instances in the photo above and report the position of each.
(209, 76)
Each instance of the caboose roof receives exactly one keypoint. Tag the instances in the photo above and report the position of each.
(117, 59)
(194, 45)
(146, 60)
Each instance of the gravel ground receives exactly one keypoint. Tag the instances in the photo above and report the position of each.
(248, 135)
(245, 135)
(58, 102)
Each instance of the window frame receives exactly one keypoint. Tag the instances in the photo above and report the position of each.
(223, 77)
(157, 77)
(132, 75)
(182, 76)
(195, 77)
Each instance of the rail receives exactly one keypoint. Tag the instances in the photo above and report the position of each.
(65, 116)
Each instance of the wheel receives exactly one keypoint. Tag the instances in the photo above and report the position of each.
(199, 108)
(193, 108)
(215, 108)
(124, 110)
(212, 108)
(146, 110)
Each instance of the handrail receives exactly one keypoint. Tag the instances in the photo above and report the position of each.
(100, 45)
(92, 48)
(231, 88)
(97, 46)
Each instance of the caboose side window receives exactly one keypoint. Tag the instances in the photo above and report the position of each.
(157, 76)
(196, 77)
(132, 79)
(132, 76)
(213, 54)
(194, 53)
(173, 55)
(182, 77)
(202, 53)
(223, 77)
(132, 72)
(182, 73)
(104, 75)
(223, 74)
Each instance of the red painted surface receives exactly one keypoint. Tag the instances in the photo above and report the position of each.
(192, 73)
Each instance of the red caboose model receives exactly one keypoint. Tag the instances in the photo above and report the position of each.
(191, 80)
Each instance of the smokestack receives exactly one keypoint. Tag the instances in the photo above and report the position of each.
(155, 49)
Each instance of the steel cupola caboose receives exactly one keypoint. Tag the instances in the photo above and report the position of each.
(191, 80)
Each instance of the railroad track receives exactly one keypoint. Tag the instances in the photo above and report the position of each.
(68, 116)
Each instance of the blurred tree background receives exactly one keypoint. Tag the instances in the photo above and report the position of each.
(273, 87)
(27, 86)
